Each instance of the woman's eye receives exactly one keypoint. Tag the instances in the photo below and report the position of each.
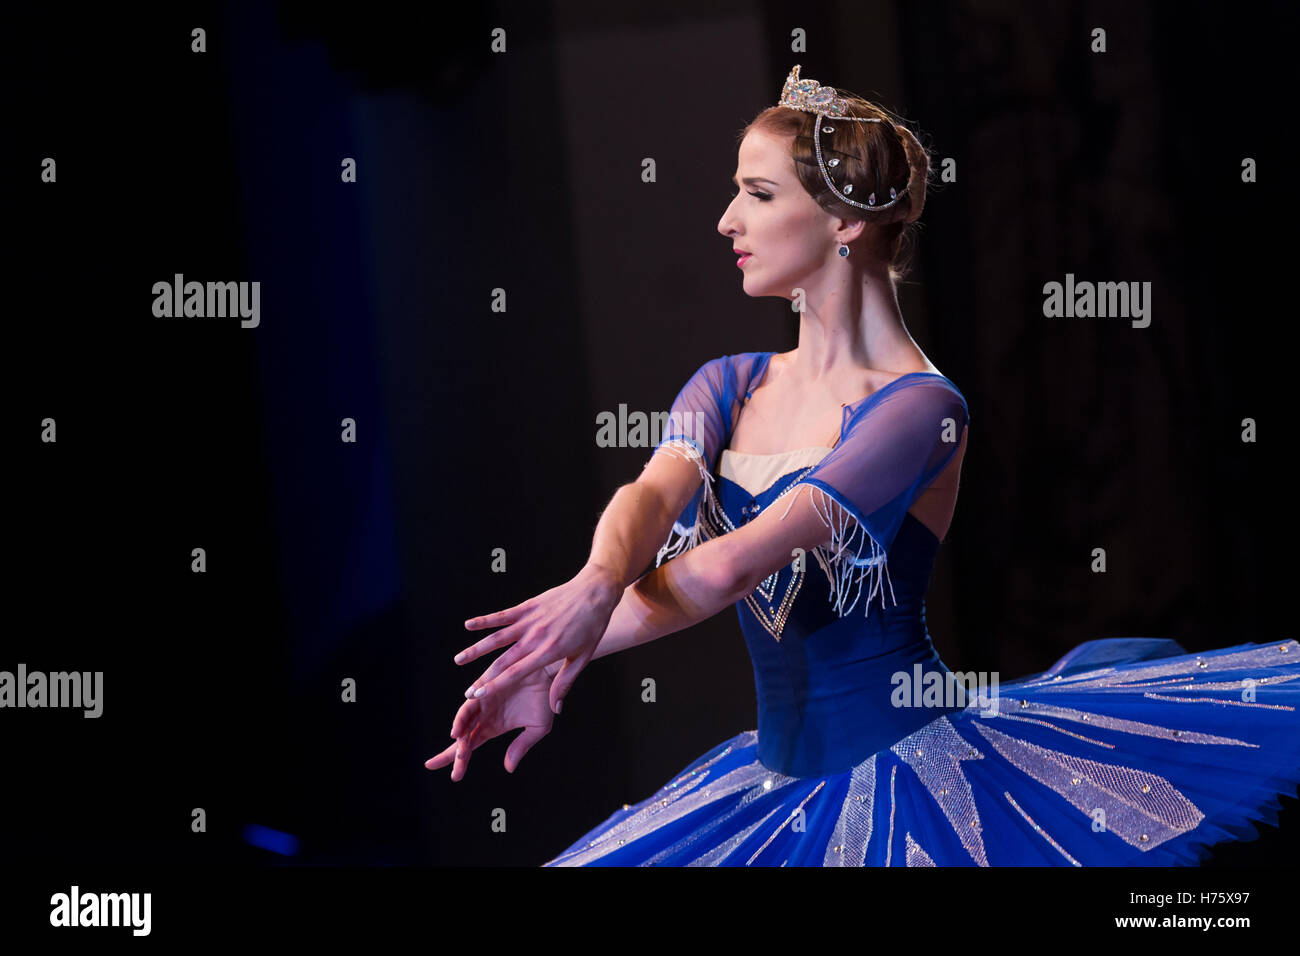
(764, 197)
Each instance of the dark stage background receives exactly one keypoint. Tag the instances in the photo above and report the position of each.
(476, 171)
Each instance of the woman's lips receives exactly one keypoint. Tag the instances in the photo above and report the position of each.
(743, 259)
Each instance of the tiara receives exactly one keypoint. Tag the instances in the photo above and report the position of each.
(811, 97)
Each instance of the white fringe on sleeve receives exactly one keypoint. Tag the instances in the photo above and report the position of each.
(681, 538)
(837, 561)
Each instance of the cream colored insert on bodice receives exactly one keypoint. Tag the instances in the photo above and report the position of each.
(757, 473)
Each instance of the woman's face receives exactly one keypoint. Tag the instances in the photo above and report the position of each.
(789, 237)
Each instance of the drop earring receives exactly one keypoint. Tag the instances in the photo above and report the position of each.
(844, 250)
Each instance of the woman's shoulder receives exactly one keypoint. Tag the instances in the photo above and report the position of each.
(736, 369)
(924, 394)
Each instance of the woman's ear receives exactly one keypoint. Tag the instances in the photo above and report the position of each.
(849, 230)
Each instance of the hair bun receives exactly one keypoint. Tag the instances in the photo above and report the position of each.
(918, 161)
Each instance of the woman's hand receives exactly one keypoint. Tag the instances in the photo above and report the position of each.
(561, 626)
(526, 705)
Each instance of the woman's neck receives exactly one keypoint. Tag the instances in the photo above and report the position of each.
(853, 324)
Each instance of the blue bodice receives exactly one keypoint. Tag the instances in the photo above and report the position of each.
(825, 682)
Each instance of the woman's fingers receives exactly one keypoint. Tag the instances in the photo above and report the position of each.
(457, 754)
(464, 747)
(490, 643)
(498, 618)
(465, 717)
(444, 758)
(528, 662)
(521, 745)
(565, 679)
(495, 619)
(500, 664)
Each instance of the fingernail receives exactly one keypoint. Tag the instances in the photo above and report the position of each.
(459, 657)
(469, 691)
(558, 704)
(480, 692)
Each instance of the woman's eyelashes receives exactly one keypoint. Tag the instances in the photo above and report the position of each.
(761, 196)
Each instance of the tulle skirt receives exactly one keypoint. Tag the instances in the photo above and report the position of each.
(1126, 752)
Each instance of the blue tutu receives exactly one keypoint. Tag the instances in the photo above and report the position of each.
(1129, 763)
(869, 751)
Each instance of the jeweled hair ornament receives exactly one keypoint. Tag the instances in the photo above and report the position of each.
(812, 97)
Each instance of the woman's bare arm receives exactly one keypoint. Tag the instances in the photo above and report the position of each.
(710, 576)
(636, 522)
(688, 589)
(634, 526)
(691, 588)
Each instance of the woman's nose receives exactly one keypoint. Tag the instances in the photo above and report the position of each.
(726, 225)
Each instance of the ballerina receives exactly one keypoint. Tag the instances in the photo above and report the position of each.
(848, 450)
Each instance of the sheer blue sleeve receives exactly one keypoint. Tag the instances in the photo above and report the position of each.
(896, 442)
(699, 421)
(698, 427)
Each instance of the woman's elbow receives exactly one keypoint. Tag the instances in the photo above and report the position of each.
(733, 575)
